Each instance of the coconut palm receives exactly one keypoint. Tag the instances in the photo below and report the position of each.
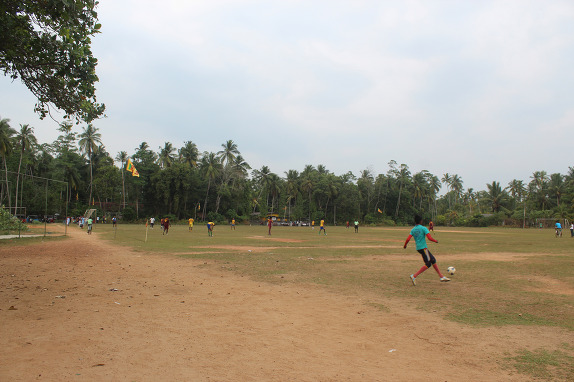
(166, 155)
(210, 167)
(292, 187)
(89, 143)
(228, 153)
(496, 196)
(189, 154)
(456, 186)
(447, 179)
(26, 140)
(538, 187)
(122, 157)
(402, 176)
(556, 186)
(6, 147)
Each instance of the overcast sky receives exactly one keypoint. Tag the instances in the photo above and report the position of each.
(482, 89)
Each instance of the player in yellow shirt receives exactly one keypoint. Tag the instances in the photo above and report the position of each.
(210, 226)
(233, 224)
(190, 224)
(322, 227)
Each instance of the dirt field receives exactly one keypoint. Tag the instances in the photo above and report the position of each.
(84, 310)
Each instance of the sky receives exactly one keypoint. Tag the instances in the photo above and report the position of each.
(481, 89)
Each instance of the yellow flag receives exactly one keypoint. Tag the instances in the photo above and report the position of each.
(131, 168)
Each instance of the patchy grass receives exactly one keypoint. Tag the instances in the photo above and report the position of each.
(498, 279)
(543, 364)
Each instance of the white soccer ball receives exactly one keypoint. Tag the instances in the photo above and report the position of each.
(451, 270)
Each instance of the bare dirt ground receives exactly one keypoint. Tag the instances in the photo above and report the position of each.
(83, 310)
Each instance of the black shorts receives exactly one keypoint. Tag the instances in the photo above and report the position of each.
(428, 258)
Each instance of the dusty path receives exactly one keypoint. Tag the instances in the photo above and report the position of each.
(83, 310)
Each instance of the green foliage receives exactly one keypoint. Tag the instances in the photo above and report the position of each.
(128, 214)
(9, 222)
(48, 46)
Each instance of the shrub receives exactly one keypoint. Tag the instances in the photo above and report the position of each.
(9, 222)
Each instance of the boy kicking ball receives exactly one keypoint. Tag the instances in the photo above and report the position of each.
(420, 232)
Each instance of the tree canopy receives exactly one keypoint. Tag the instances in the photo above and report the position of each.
(47, 45)
(184, 182)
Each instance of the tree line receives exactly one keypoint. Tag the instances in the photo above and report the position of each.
(185, 182)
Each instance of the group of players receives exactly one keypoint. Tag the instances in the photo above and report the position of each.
(419, 232)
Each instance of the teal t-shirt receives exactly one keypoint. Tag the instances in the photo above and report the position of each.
(419, 232)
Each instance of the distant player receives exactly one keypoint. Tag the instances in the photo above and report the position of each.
(322, 227)
(190, 221)
(210, 226)
(420, 232)
(269, 225)
(151, 222)
(347, 224)
(356, 226)
(166, 225)
(233, 224)
(431, 226)
(90, 222)
(312, 224)
(114, 222)
(558, 228)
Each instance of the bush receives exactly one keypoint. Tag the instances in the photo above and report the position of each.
(9, 222)
(128, 214)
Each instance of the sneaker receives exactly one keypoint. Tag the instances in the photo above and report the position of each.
(444, 279)
(414, 280)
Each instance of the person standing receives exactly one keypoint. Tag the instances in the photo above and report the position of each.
(233, 224)
(347, 224)
(421, 233)
(571, 229)
(90, 222)
(431, 226)
(190, 222)
(166, 226)
(322, 227)
(269, 225)
(356, 226)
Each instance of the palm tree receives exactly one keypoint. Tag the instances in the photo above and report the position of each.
(189, 154)
(556, 186)
(496, 196)
(89, 143)
(123, 157)
(307, 186)
(210, 167)
(402, 176)
(228, 153)
(538, 186)
(332, 192)
(447, 179)
(26, 140)
(292, 187)
(166, 155)
(456, 186)
(261, 177)
(6, 147)
(274, 187)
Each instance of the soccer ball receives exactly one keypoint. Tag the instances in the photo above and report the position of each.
(451, 270)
